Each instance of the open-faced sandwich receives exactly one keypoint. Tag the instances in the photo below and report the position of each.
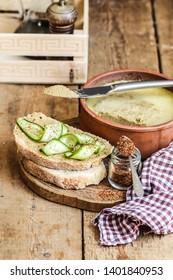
(60, 154)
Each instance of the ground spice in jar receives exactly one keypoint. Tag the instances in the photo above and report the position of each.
(119, 174)
(125, 146)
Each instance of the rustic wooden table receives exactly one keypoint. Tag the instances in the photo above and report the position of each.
(123, 34)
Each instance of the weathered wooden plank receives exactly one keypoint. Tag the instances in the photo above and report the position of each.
(164, 23)
(30, 226)
(121, 36)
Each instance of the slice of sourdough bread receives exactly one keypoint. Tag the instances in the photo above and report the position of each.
(66, 179)
(30, 149)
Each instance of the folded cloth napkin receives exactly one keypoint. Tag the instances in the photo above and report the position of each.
(120, 224)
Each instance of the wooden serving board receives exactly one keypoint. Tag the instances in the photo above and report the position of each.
(92, 198)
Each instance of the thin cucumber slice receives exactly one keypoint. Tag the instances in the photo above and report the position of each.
(33, 130)
(99, 149)
(65, 129)
(52, 131)
(68, 154)
(69, 139)
(54, 147)
(84, 152)
(85, 138)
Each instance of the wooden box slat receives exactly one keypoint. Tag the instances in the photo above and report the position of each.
(43, 45)
(30, 71)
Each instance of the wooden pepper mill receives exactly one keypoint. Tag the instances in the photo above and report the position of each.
(61, 16)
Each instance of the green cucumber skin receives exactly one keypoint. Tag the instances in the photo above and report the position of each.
(65, 129)
(54, 147)
(85, 138)
(22, 125)
(88, 143)
(84, 152)
(71, 143)
(68, 154)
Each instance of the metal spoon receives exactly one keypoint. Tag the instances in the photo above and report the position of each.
(137, 186)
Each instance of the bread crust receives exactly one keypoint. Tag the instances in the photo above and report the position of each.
(66, 179)
(30, 149)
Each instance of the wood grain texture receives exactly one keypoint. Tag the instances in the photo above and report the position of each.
(164, 23)
(122, 35)
(31, 227)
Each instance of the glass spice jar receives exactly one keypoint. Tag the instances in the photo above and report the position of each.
(119, 172)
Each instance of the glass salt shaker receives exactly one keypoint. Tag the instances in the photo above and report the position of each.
(119, 172)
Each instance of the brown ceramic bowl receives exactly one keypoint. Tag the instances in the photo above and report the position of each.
(147, 139)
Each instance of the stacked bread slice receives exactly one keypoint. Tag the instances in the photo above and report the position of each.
(63, 171)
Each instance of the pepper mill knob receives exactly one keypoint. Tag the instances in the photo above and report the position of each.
(61, 16)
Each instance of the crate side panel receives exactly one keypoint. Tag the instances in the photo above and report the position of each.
(47, 72)
(43, 45)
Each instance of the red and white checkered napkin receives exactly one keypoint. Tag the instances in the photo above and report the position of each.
(120, 224)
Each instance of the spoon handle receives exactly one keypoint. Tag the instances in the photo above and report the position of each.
(137, 186)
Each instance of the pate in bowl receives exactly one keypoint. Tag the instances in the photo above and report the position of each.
(145, 115)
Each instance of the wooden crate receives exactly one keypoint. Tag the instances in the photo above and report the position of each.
(19, 54)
